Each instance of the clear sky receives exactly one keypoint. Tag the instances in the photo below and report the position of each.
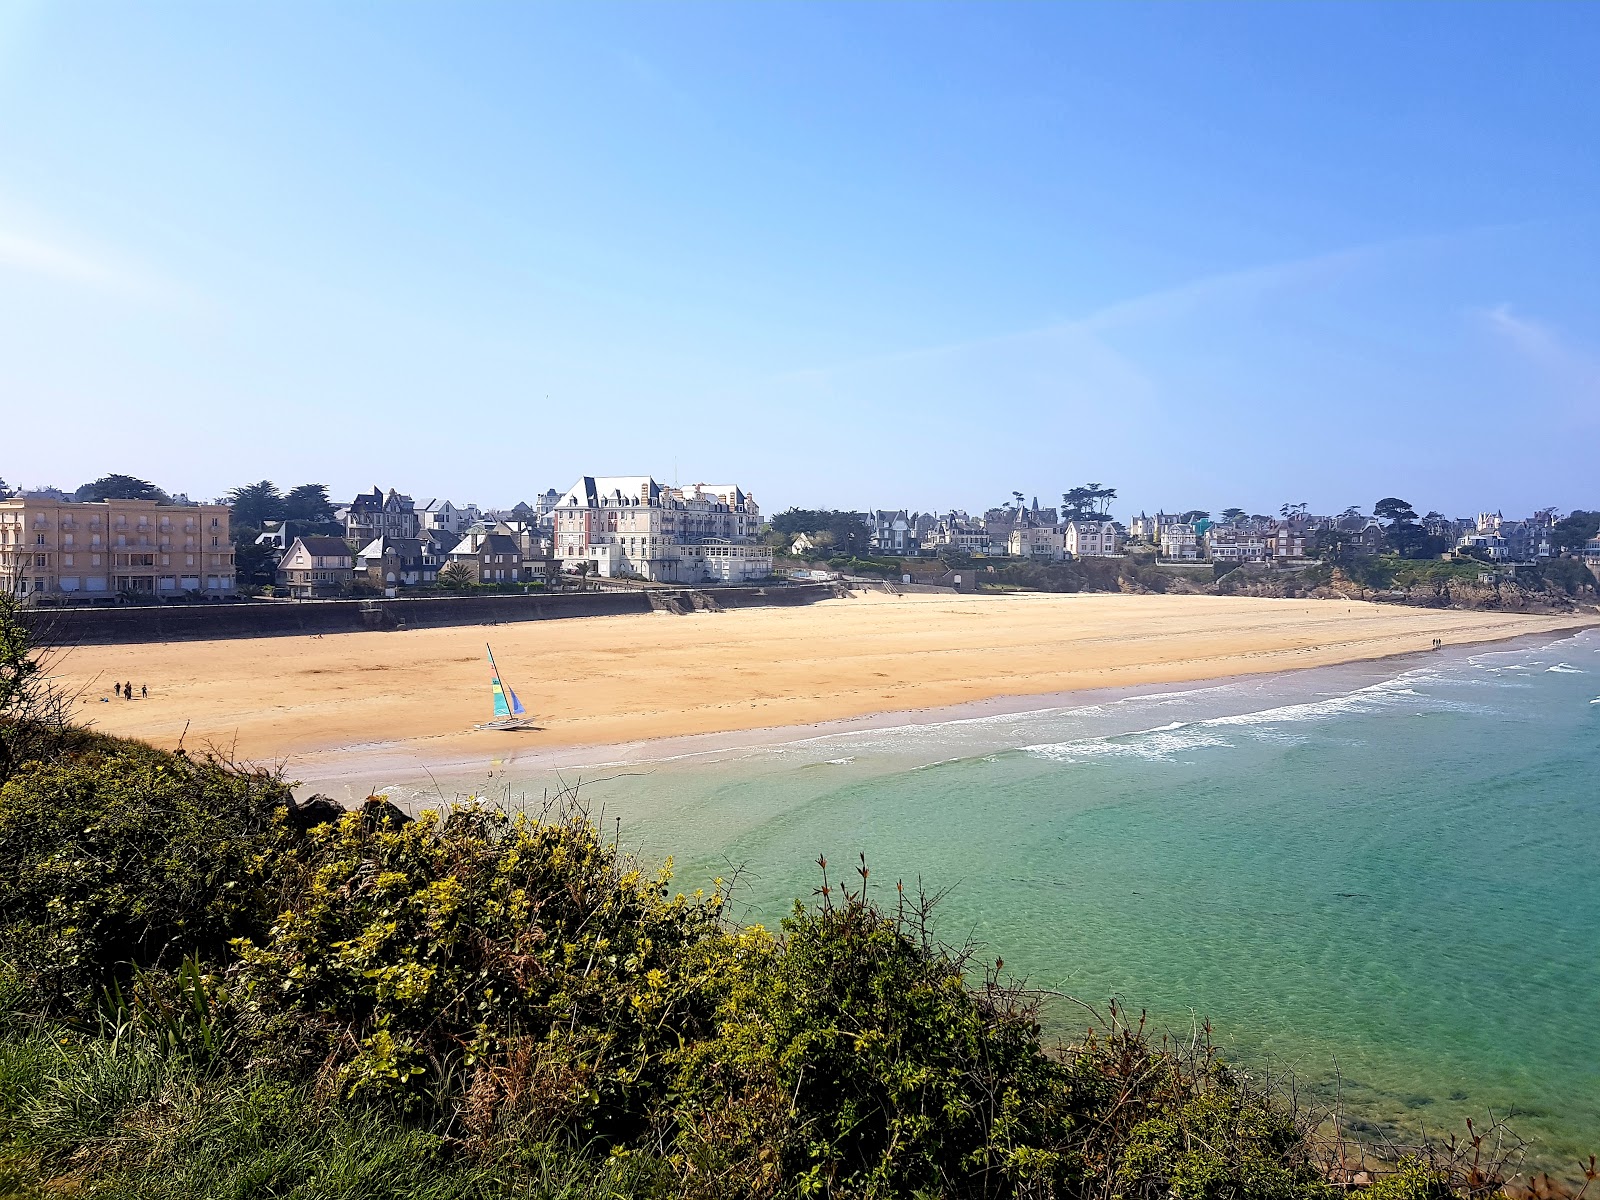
(853, 255)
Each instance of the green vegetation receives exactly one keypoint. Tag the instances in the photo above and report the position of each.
(120, 487)
(1390, 571)
(1574, 531)
(1088, 502)
(210, 991)
(834, 531)
(254, 504)
(457, 577)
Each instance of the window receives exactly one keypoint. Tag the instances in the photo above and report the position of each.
(38, 560)
(38, 539)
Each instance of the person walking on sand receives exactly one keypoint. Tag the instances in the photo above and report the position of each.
(144, 691)
(127, 690)
(117, 688)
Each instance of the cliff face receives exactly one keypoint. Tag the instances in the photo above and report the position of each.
(1505, 595)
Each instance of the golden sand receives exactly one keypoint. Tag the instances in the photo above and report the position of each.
(606, 680)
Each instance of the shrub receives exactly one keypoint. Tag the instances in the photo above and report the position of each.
(116, 855)
(851, 1058)
(521, 970)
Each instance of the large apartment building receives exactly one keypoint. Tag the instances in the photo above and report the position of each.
(58, 551)
(632, 525)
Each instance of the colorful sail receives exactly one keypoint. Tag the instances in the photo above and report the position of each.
(506, 703)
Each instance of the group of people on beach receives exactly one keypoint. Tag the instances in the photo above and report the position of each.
(125, 690)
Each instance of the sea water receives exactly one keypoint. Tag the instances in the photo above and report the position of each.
(1384, 877)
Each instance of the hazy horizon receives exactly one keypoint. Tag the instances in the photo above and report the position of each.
(846, 256)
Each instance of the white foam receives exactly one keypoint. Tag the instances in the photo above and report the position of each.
(1563, 669)
(1162, 745)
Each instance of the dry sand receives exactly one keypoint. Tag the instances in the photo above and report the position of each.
(608, 680)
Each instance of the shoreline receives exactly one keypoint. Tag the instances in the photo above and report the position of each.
(403, 761)
(616, 684)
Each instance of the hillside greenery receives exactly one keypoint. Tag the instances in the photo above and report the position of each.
(1566, 575)
(211, 991)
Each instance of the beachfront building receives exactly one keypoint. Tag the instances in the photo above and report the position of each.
(1002, 524)
(1231, 544)
(56, 551)
(1484, 544)
(1145, 529)
(631, 525)
(970, 539)
(1090, 539)
(893, 531)
(375, 515)
(1180, 541)
(316, 567)
(1042, 543)
(1286, 542)
(1591, 556)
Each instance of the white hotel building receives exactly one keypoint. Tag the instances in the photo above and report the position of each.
(630, 525)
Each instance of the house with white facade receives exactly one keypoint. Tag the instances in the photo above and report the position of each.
(1090, 539)
(443, 515)
(1145, 528)
(1180, 541)
(632, 525)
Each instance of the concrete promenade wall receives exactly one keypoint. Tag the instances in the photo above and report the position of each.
(200, 622)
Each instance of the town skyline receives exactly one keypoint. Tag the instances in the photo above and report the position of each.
(1121, 506)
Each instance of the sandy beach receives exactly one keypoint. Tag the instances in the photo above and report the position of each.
(608, 680)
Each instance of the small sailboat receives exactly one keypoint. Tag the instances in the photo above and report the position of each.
(508, 710)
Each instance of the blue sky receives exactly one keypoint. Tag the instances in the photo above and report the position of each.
(848, 255)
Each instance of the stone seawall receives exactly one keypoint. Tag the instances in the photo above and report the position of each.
(278, 618)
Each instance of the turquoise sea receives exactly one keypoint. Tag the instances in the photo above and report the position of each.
(1385, 877)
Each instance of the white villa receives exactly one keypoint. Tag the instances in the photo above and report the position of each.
(1179, 541)
(1090, 539)
(451, 518)
(631, 525)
